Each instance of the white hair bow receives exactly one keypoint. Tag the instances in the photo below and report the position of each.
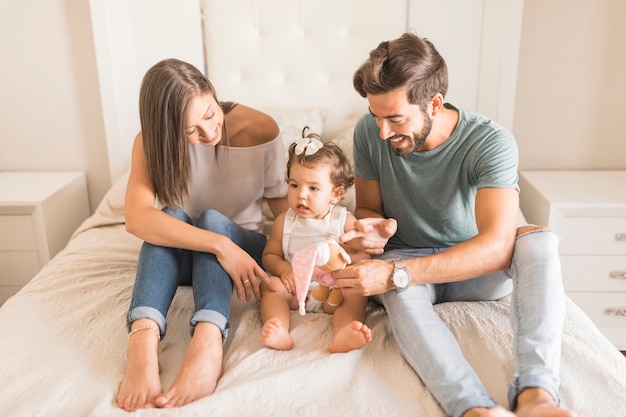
(307, 145)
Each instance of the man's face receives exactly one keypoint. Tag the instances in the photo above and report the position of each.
(405, 125)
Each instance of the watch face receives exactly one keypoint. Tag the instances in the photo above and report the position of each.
(401, 278)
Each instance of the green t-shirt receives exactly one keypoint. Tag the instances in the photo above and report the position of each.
(431, 194)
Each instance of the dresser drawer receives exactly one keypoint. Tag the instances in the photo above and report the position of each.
(594, 273)
(606, 310)
(17, 268)
(17, 233)
(592, 235)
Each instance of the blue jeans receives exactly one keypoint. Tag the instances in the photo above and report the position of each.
(537, 314)
(160, 270)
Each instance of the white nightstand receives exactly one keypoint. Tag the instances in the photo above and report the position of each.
(39, 211)
(588, 210)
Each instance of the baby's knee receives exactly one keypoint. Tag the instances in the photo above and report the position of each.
(278, 285)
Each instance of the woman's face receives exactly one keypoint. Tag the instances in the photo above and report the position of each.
(204, 121)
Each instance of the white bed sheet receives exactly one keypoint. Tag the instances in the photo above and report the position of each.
(64, 338)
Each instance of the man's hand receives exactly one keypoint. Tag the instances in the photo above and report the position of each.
(373, 232)
(367, 277)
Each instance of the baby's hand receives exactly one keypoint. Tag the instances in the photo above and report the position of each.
(288, 280)
(373, 232)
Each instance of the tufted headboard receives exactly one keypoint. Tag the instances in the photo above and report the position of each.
(297, 54)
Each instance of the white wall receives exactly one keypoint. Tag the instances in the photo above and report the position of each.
(571, 90)
(50, 112)
(570, 110)
(141, 37)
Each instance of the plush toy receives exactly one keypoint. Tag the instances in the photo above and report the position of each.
(315, 262)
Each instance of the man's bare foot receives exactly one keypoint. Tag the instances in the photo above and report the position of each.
(352, 336)
(141, 383)
(275, 336)
(200, 370)
(496, 411)
(535, 402)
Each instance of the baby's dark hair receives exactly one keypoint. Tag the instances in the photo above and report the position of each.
(331, 154)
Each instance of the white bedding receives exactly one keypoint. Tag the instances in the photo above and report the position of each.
(62, 351)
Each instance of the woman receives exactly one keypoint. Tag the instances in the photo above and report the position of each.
(210, 165)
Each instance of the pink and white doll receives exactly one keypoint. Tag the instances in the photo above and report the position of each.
(315, 263)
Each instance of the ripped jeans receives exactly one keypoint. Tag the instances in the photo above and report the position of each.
(537, 314)
(160, 270)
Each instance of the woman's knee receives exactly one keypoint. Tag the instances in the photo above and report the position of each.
(214, 221)
(177, 213)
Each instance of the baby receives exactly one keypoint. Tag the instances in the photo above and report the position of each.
(318, 175)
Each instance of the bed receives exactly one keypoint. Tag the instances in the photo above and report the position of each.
(64, 336)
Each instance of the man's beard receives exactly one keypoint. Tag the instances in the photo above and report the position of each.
(418, 139)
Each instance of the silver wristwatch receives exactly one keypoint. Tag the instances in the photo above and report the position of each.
(401, 277)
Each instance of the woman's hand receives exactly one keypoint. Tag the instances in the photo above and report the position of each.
(243, 270)
(373, 232)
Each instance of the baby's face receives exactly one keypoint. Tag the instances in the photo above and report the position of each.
(311, 191)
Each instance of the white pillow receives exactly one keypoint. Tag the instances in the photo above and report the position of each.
(112, 205)
(345, 141)
(292, 121)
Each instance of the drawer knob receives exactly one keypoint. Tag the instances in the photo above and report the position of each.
(620, 237)
(615, 311)
(618, 274)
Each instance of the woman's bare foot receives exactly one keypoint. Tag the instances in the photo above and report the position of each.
(141, 383)
(200, 370)
(352, 336)
(275, 336)
(535, 402)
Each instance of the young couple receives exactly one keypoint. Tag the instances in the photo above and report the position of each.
(447, 176)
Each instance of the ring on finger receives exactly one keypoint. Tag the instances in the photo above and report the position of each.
(245, 281)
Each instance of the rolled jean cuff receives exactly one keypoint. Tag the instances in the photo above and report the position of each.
(147, 313)
(211, 316)
(468, 403)
(522, 383)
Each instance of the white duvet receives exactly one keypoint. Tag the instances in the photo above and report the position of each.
(63, 341)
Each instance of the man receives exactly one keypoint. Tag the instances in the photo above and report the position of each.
(449, 179)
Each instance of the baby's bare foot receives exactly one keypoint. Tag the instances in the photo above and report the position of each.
(352, 336)
(275, 336)
(141, 383)
(200, 371)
